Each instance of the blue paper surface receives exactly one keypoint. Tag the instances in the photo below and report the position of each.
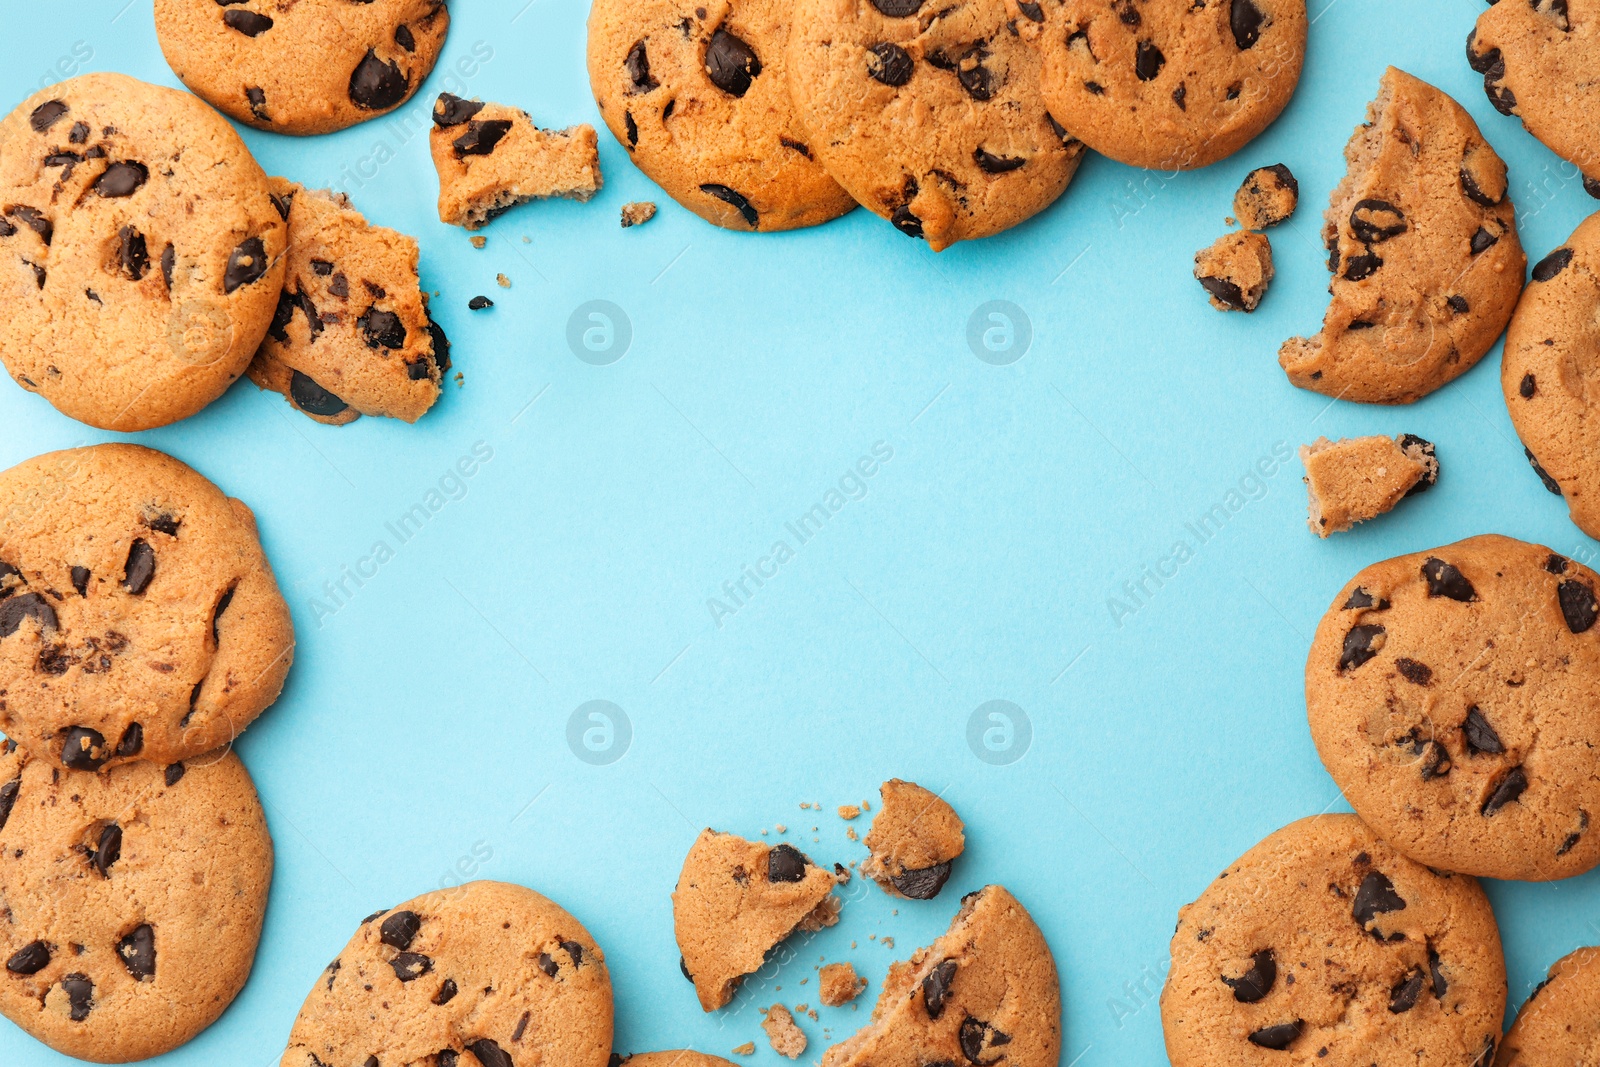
(439, 721)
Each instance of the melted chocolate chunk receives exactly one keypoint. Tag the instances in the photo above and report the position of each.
(1403, 997)
(785, 863)
(137, 951)
(376, 85)
(1258, 981)
(447, 992)
(132, 253)
(731, 64)
(897, 9)
(936, 987)
(311, 397)
(121, 179)
(1551, 265)
(922, 884)
(1544, 476)
(481, 137)
(451, 110)
(140, 568)
(990, 163)
(1148, 61)
(247, 22)
(27, 606)
(1508, 789)
(80, 996)
(1578, 606)
(400, 929)
(246, 265)
(1361, 644)
(489, 1053)
(108, 850)
(1246, 20)
(382, 328)
(1480, 736)
(409, 966)
(29, 959)
(1376, 221)
(737, 201)
(890, 64)
(1414, 672)
(83, 749)
(1360, 598)
(47, 115)
(1444, 580)
(637, 66)
(1376, 896)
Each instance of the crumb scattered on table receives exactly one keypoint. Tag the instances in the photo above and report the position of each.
(849, 811)
(840, 984)
(786, 1038)
(480, 241)
(637, 214)
(505, 283)
(746, 1049)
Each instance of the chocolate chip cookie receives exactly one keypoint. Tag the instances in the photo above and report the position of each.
(1454, 696)
(490, 969)
(133, 900)
(1422, 242)
(1360, 478)
(1551, 371)
(140, 252)
(698, 95)
(1169, 84)
(914, 839)
(491, 158)
(1325, 943)
(735, 900)
(1267, 197)
(139, 619)
(929, 114)
(309, 66)
(1560, 1023)
(983, 993)
(1235, 270)
(352, 335)
(1540, 61)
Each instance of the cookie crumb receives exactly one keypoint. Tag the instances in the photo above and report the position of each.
(480, 241)
(461, 379)
(746, 1049)
(786, 1038)
(888, 942)
(504, 282)
(840, 984)
(782, 829)
(1236, 270)
(1354, 480)
(637, 214)
(1268, 197)
(848, 812)
(851, 834)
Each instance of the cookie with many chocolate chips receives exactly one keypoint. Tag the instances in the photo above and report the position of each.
(1560, 1023)
(487, 969)
(133, 900)
(735, 901)
(697, 94)
(140, 252)
(1551, 373)
(914, 839)
(1422, 242)
(139, 619)
(308, 66)
(1540, 61)
(928, 113)
(1454, 696)
(983, 993)
(352, 335)
(1169, 84)
(491, 158)
(1325, 944)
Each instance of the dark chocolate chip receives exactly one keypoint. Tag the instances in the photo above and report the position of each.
(1529, 386)
(27, 606)
(731, 64)
(1430, 478)
(83, 749)
(479, 303)
(447, 992)
(785, 863)
(637, 66)
(404, 38)
(247, 22)
(1360, 645)
(1257, 982)
(132, 742)
(376, 85)
(1544, 476)
(1034, 12)
(169, 259)
(47, 115)
(246, 264)
(683, 965)
(409, 966)
(80, 580)
(481, 137)
(137, 951)
(738, 202)
(400, 929)
(1277, 1037)
(1551, 265)
(1573, 838)
(1148, 61)
(216, 613)
(1469, 185)
(890, 64)
(29, 959)
(1578, 605)
(312, 398)
(574, 952)
(1483, 240)
(1360, 598)
(633, 129)
(547, 964)
(1508, 789)
(1458, 304)
(1375, 897)
(923, 884)
(1592, 187)
(34, 219)
(1414, 672)
(977, 1037)
(80, 996)
(1480, 735)
(1436, 972)
(990, 163)
(121, 179)
(108, 850)
(1403, 997)
(174, 774)
(1376, 221)
(1436, 762)
(1363, 266)
(936, 987)
(907, 223)
(1246, 20)
(1444, 580)
(1556, 564)
(451, 110)
(489, 1053)
(132, 253)
(8, 799)
(897, 9)
(256, 97)
(382, 328)
(1226, 292)
(140, 568)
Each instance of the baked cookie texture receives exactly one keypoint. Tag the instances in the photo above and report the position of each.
(735, 900)
(133, 900)
(139, 618)
(491, 158)
(306, 66)
(1540, 61)
(1560, 1023)
(1325, 943)
(487, 968)
(1169, 84)
(838, 984)
(914, 839)
(352, 335)
(1360, 478)
(1454, 696)
(140, 252)
(1267, 197)
(1422, 241)
(929, 114)
(1551, 373)
(698, 95)
(984, 992)
(1235, 270)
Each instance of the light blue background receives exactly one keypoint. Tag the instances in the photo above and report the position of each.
(424, 723)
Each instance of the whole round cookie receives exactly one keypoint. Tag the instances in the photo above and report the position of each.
(1325, 943)
(140, 251)
(1551, 372)
(133, 900)
(1454, 696)
(929, 113)
(697, 93)
(487, 968)
(1540, 61)
(1169, 84)
(1422, 242)
(307, 66)
(139, 618)
(1560, 1023)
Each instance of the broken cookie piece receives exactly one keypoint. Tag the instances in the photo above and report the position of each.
(986, 991)
(785, 1037)
(736, 900)
(1236, 271)
(839, 984)
(1268, 197)
(914, 839)
(352, 335)
(1361, 478)
(637, 213)
(490, 158)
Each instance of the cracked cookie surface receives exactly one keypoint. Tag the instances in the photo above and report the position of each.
(1454, 695)
(139, 618)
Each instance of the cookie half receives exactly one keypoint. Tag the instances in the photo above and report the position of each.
(1560, 1023)
(141, 255)
(487, 969)
(310, 66)
(1422, 242)
(1454, 696)
(1324, 943)
(133, 900)
(139, 618)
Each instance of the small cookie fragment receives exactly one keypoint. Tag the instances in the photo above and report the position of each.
(1360, 478)
(839, 984)
(490, 158)
(746, 1049)
(1236, 270)
(736, 900)
(637, 213)
(785, 1037)
(1560, 1023)
(848, 812)
(914, 839)
(1268, 197)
